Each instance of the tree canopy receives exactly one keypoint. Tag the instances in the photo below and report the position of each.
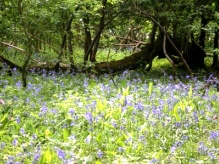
(59, 27)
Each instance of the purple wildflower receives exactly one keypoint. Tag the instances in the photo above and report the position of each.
(22, 131)
(89, 117)
(120, 149)
(88, 139)
(60, 153)
(71, 111)
(139, 106)
(99, 154)
(17, 119)
(43, 109)
(202, 148)
(2, 145)
(214, 135)
(15, 142)
(36, 157)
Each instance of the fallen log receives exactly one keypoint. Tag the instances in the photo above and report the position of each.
(137, 60)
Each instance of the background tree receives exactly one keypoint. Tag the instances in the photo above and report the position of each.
(51, 30)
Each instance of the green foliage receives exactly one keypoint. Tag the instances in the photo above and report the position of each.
(60, 119)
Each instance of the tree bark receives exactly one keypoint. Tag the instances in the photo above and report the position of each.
(202, 36)
(67, 30)
(87, 40)
(101, 27)
(215, 57)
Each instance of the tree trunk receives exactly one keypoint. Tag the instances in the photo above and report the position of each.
(153, 33)
(202, 36)
(215, 57)
(100, 28)
(63, 45)
(70, 50)
(87, 40)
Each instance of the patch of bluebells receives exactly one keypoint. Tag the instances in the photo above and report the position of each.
(214, 136)
(137, 102)
(206, 151)
(61, 154)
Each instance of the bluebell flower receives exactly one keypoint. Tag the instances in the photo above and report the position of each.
(88, 139)
(99, 154)
(85, 83)
(54, 111)
(72, 137)
(89, 117)
(17, 119)
(178, 124)
(22, 131)
(154, 160)
(18, 84)
(120, 149)
(114, 124)
(43, 109)
(214, 135)
(173, 148)
(139, 106)
(36, 158)
(211, 155)
(15, 142)
(2, 145)
(202, 148)
(10, 160)
(60, 153)
(71, 111)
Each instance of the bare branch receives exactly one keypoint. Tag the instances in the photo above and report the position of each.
(167, 56)
(11, 45)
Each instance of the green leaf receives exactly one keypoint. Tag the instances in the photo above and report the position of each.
(47, 157)
(175, 112)
(150, 88)
(4, 121)
(99, 105)
(190, 92)
(65, 134)
(2, 132)
(126, 91)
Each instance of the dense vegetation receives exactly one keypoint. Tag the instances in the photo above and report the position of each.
(76, 84)
(150, 118)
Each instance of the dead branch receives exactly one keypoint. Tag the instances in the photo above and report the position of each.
(128, 39)
(167, 56)
(124, 44)
(15, 47)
